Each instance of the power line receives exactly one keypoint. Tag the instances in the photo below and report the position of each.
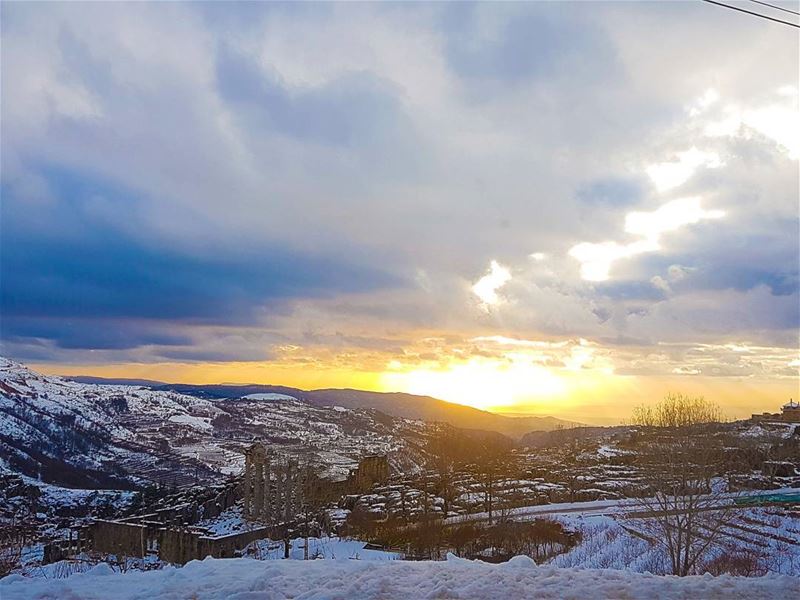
(776, 7)
(755, 14)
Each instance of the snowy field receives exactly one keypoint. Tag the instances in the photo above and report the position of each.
(608, 543)
(245, 579)
(327, 548)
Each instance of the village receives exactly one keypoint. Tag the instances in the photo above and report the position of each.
(465, 500)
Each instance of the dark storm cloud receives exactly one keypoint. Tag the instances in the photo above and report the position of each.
(64, 260)
(88, 334)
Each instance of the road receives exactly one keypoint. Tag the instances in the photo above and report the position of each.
(600, 507)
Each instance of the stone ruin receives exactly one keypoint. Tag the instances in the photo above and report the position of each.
(371, 470)
(272, 490)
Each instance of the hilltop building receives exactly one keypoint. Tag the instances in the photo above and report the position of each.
(790, 413)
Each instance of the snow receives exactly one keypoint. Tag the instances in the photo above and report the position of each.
(342, 578)
(323, 548)
(269, 396)
(192, 421)
(163, 437)
(53, 495)
(604, 507)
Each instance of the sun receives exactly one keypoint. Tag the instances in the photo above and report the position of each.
(480, 383)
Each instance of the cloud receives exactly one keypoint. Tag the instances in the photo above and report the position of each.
(73, 259)
(596, 259)
(612, 191)
(486, 287)
(89, 334)
(329, 177)
(667, 175)
(357, 110)
(778, 120)
(495, 44)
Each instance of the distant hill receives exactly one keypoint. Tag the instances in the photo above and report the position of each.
(432, 409)
(94, 436)
(114, 381)
(397, 404)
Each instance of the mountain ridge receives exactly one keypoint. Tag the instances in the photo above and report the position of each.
(398, 404)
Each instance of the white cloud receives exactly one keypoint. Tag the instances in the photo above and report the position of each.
(596, 259)
(667, 175)
(669, 217)
(660, 283)
(777, 119)
(486, 287)
(678, 272)
(699, 106)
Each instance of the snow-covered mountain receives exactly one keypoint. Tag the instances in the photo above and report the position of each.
(398, 404)
(90, 435)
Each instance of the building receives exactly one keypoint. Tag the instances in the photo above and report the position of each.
(790, 413)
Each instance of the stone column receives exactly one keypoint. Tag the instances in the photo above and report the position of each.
(258, 487)
(280, 471)
(267, 495)
(287, 508)
(248, 474)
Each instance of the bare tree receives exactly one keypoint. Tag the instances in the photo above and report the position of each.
(489, 468)
(677, 410)
(14, 536)
(443, 450)
(686, 513)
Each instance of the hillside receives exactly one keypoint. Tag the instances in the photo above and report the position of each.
(120, 436)
(427, 408)
(398, 404)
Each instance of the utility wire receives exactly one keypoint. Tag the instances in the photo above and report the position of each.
(749, 12)
(776, 7)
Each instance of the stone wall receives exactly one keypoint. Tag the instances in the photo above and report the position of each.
(180, 546)
(121, 539)
(371, 470)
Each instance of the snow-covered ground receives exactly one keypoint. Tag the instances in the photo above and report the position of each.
(269, 396)
(319, 548)
(610, 543)
(455, 578)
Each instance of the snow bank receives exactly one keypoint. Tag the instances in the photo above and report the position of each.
(240, 579)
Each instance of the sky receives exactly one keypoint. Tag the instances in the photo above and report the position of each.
(534, 208)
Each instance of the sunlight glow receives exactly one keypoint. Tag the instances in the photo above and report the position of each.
(669, 217)
(667, 175)
(481, 382)
(709, 97)
(779, 120)
(486, 287)
(596, 259)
